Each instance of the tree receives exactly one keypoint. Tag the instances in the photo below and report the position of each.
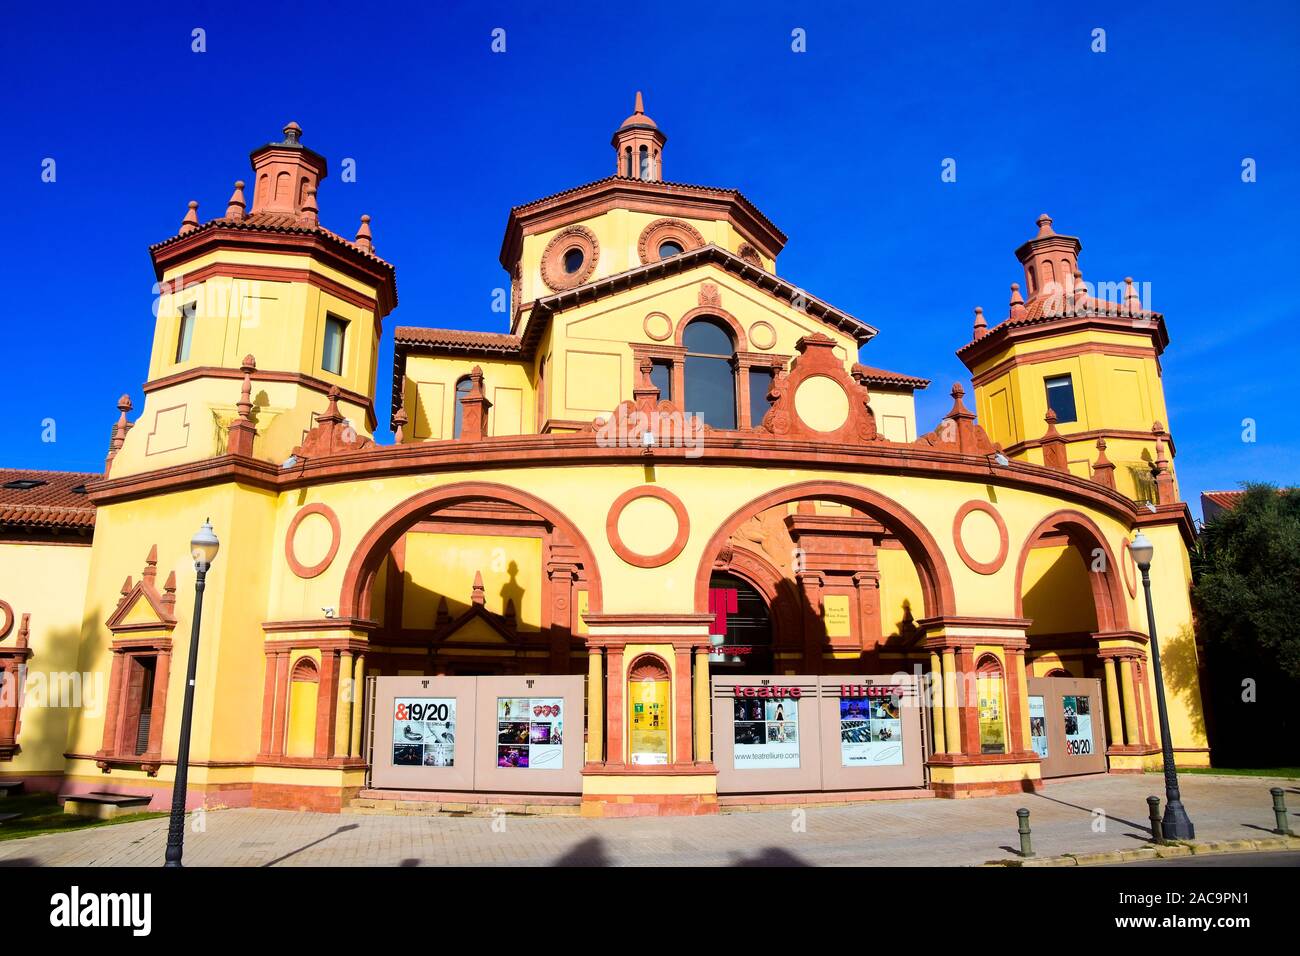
(1246, 594)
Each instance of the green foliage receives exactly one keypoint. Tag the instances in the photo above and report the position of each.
(1246, 582)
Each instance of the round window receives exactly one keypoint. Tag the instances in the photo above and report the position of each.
(669, 248)
(573, 260)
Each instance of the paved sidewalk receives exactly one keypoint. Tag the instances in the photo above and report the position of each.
(894, 833)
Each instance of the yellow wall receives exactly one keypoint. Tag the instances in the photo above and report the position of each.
(1111, 392)
(48, 582)
(443, 566)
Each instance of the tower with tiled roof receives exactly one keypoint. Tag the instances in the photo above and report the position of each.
(1075, 364)
(262, 296)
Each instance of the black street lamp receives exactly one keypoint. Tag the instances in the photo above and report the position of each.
(203, 548)
(1176, 824)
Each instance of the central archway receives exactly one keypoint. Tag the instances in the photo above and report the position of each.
(358, 580)
(936, 583)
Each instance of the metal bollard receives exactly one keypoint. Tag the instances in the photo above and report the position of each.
(1026, 847)
(1157, 828)
(1279, 811)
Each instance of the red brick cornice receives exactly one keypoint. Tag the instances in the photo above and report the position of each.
(722, 449)
(334, 252)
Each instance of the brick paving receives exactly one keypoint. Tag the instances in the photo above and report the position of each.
(896, 833)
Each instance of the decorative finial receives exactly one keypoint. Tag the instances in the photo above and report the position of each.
(120, 430)
(245, 405)
(235, 208)
(981, 327)
(1044, 226)
(479, 596)
(24, 630)
(169, 591)
(363, 235)
(150, 565)
(399, 424)
(1132, 301)
(640, 105)
(292, 134)
(191, 220)
(1017, 302)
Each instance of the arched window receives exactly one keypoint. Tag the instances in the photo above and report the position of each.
(627, 153)
(992, 705)
(304, 687)
(463, 385)
(743, 626)
(645, 162)
(710, 372)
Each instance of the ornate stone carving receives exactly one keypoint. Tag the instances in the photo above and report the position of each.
(958, 431)
(332, 434)
(794, 416)
(664, 230)
(579, 237)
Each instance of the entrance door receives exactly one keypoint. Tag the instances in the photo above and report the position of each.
(742, 627)
(1067, 725)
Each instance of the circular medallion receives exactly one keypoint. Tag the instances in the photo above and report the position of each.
(570, 258)
(647, 526)
(762, 335)
(658, 326)
(6, 619)
(821, 403)
(997, 526)
(326, 513)
(664, 238)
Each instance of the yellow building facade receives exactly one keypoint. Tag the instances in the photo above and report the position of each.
(667, 515)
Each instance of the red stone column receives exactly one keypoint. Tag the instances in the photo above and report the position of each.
(161, 678)
(814, 629)
(1017, 700)
(614, 681)
(281, 701)
(268, 702)
(970, 728)
(326, 701)
(683, 749)
(869, 624)
(114, 709)
(557, 611)
(9, 699)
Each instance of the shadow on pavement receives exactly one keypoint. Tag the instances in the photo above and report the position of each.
(590, 852)
(342, 829)
(772, 856)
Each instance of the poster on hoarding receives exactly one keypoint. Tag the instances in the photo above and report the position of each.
(1038, 726)
(1078, 725)
(424, 732)
(650, 721)
(530, 733)
(766, 733)
(871, 730)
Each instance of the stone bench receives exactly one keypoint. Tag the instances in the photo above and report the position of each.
(105, 806)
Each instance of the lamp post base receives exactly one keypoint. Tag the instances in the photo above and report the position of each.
(1176, 825)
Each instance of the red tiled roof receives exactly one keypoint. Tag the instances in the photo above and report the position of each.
(273, 222)
(491, 343)
(1224, 499)
(716, 190)
(55, 504)
(887, 379)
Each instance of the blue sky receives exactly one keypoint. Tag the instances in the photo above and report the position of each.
(1137, 150)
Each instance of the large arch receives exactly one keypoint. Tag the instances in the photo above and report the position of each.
(1084, 535)
(936, 583)
(354, 596)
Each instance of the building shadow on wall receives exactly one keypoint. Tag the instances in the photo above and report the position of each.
(1182, 677)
